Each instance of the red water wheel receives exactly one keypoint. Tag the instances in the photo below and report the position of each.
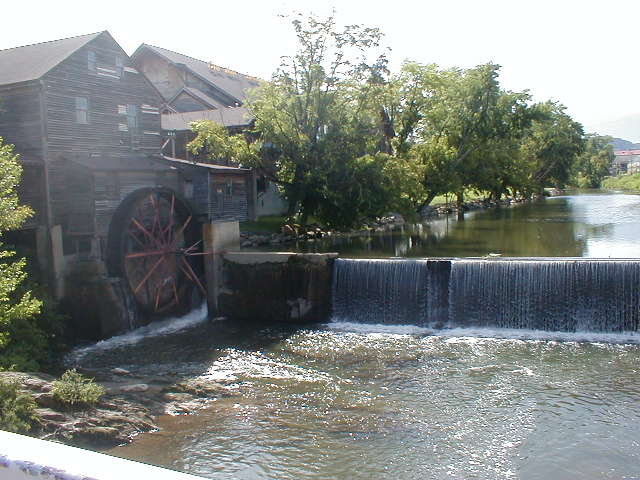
(159, 253)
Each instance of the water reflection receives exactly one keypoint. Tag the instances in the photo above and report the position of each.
(583, 225)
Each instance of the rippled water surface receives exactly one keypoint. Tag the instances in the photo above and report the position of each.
(353, 401)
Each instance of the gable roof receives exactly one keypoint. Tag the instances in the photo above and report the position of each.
(21, 64)
(228, 117)
(206, 100)
(232, 83)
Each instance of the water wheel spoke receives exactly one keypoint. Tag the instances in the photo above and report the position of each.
(155, 227)
(181, 229)
(135, 237)
(145, 231)
(175, 293)
(156, 246)
(192, 247)
(144, 254)
(158, 290)
(148, 275)
(166, 232)
(192, 275)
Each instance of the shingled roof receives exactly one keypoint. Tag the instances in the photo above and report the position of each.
(21, 64)
(229, 117)
(233, 83)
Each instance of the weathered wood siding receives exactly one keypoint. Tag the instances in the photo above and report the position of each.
(31, 192)
(107, 131)
(81, 204)
(20, 119)
(228, 197)
(21, 126)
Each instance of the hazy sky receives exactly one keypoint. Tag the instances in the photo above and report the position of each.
(581, 53)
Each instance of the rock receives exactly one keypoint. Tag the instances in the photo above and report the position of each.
(246, 244)
(120, 371)
(138, 387)
(288, 230)
(45, 400)
(48, 414)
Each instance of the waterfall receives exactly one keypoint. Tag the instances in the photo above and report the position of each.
(390, 291)
(570, 295)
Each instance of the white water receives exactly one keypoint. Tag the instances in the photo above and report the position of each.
(502, 333)
(155, 329)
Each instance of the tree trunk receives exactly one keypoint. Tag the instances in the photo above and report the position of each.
(426, 203)
(460, 205)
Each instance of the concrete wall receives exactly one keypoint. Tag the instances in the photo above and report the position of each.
(217, 238)
(26, 458)
(270, 202)
(276, 287)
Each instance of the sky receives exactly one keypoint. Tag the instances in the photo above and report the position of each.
(580, 53)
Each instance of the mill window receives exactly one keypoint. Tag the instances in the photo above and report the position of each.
(91, 61)
(82, 110)
(119, 67)
(132, 116)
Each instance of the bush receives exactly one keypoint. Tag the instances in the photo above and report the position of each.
(17, 409)
(76, 390)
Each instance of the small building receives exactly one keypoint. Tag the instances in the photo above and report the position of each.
(625, 161)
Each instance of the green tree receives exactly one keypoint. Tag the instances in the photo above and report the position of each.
(315, 133)
(593, 164)
(15, 305)
(313, 112)
(460, 125)
(551, 147)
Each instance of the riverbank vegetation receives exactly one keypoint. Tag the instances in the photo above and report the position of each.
(347, 140)
(623, 182)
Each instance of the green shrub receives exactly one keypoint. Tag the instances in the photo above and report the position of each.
(76, 390)
(623, 182)
(17, 409)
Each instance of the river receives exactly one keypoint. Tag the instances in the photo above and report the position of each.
(351, 400)
(596, 224)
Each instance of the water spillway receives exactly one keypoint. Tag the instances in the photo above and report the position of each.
(539, 294)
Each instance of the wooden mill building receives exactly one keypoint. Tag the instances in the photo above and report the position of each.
(195, 90)
(87, 125)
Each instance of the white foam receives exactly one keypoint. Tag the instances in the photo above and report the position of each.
(368, 328)
(154, 329)
(467, 334)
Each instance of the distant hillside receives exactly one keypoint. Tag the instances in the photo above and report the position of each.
(626, 127)
(621, 144)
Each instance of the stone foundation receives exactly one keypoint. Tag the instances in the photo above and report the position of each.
(276, 287)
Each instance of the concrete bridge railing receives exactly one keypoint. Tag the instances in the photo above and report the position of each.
(26, 458)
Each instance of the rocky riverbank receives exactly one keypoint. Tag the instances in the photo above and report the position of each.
(129, 407)
(292, 234)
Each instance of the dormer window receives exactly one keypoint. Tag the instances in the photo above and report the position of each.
(91, 61)
(119, 66)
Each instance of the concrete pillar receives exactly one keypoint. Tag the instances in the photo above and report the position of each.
(252, 196)
(216, 239)
(57, 262)
(42, 248)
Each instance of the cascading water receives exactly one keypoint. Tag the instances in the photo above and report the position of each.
(390, 291)
(555, 295)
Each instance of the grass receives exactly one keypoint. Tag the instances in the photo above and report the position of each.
(469, 196)
(267, 224)
(623, 182)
